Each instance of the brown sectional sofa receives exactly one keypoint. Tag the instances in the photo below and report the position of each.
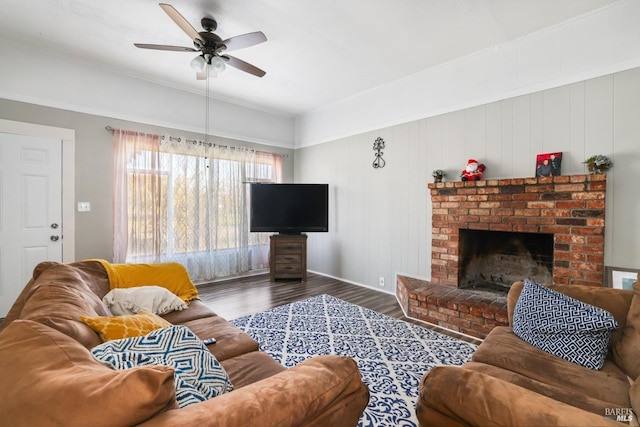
(49, 376)
(512, 383)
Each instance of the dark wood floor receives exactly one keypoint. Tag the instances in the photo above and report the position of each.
(247, 295)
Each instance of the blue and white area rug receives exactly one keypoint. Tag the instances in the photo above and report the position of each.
(392, 355)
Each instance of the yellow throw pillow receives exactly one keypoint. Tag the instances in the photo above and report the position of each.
(133, 325)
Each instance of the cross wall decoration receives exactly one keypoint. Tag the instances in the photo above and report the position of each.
(378, 145)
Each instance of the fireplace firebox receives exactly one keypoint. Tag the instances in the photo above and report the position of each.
(493, 260)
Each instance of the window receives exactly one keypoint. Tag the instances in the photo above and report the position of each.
(189, 203)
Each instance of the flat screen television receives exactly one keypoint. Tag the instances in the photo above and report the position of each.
(289, 208)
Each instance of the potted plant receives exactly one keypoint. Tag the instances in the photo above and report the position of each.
(598, 163)
(438, 174)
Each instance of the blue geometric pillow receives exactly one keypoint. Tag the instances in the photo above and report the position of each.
(563, 326)
(198, 374)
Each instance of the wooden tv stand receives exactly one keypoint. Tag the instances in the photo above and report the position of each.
(288, 257)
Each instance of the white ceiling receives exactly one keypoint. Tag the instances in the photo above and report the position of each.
(318, 51)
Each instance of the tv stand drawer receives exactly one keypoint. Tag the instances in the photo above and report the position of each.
(289, 268)
(288, 257)
(290, 248)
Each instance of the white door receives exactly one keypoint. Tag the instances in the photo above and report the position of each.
(30, 210)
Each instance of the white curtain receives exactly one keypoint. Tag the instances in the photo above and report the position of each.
(131, 221)
(190, 204)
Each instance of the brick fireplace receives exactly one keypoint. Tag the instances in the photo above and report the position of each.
(569, 210)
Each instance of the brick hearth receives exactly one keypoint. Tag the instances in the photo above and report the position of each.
(569, 207)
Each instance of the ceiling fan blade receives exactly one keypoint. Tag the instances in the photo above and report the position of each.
(165, 47)
(244, 40)
(242, 65)
(182, 23)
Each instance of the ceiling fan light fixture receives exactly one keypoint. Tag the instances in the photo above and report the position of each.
(215, 66)
(218, 64)
(197, 63)
(211, 72)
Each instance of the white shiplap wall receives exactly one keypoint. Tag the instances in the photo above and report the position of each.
(380, 220)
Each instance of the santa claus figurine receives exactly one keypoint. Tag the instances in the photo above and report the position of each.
(473, 171)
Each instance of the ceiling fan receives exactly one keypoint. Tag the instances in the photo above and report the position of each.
(211, 60)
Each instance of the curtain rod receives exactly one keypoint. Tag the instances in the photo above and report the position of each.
(195, 142)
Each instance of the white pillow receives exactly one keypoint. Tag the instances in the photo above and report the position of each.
(155, 299)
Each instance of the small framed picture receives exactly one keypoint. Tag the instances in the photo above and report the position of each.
(621, 278)
(549, 164)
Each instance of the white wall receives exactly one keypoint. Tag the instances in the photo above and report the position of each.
(600, 43)
(56, 82)
(380, 220)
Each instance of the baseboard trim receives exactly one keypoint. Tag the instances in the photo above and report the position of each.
(351, 282)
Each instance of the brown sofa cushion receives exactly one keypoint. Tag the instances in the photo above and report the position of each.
(231, 340)
(250, 368)
(197, 310)
(60, 296)
(577, 398)
(319, 392)
(94, 276)
(50, 379)
(626, 352)
(91, 273)
(503, 349)
(456, 396)
(16, 308)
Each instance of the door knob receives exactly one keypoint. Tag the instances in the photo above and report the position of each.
(55, 238)
(54, 225)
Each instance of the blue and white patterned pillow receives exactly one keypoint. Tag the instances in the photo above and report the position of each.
(198, 374)
(563, 326)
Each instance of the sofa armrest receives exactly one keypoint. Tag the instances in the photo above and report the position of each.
(512, 299)
(321, 391)
(457, 396)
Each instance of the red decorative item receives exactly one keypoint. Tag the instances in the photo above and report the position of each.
(473, 171)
